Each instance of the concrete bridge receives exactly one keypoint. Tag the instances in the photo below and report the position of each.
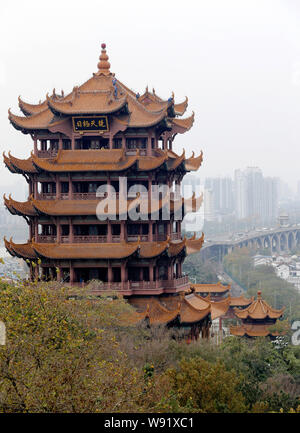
(279, 240)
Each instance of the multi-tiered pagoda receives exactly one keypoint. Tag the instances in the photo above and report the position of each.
(91, 137)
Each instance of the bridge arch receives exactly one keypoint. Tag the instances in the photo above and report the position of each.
(275, 243)
(291, 241)
(297, 239)
(259, 243)
(267, 242)
(283, 242)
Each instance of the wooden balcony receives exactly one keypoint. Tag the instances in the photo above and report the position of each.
(86, 239)
(140, 287)
(46, 153)
(46, 196)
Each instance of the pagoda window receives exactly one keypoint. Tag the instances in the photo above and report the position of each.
(143, 143)
(131, 143)
(102, 230)
(133, 229)
(66, 144)
(64, 187)
(65, 229)
(116, 229)
(48, 230)
(78, 143)
(162, 273)
(48, 187)
(116, 275)
(133, 273)
(145, 229)
(43, 144)
(153, 143)
(54, 145)
(161, 229)
(95, 143)
(117, 143)
(141, 186)
(93, 230)
(115, 185)
(146, 274)
(86, 187)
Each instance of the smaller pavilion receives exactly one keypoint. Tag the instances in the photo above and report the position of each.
(256, 319)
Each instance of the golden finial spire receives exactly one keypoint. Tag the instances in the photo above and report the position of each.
(103, 65)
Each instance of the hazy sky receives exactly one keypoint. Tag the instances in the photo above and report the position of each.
(237, 61)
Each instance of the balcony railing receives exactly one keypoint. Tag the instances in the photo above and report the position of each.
(135, 286)
(46, 153)
(46, 238)
(46, 196)
(64, 239)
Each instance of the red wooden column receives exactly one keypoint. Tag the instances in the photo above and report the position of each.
(123, 274)
(72, 273)
(58, 231)
(169, 228)
(149, 150)
(35, 187)
(150, 232)
(71, 231)
(122, 233)
(151, 272)
(109, 234)
(70, 188)
(141, 274)
(179, 269)
(58, 184)
(60, 142)
(73, 142)
(109, 273)
(36, 229)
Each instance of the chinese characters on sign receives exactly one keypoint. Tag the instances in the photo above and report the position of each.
(90, 123)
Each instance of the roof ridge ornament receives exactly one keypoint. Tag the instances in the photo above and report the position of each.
(103, 65)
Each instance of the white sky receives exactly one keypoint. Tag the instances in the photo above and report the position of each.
(237, 61)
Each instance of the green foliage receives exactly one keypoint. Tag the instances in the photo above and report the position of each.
(203, 387)
(69, 352)
(204, 272)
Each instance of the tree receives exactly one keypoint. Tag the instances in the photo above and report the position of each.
(203, 387)
(61, 356)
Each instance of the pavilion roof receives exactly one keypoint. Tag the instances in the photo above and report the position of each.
(102, 94)
(241, 301)
(211, 288)
(101, 160)
(252, 330)
(218, 308)
(259, 309)
(102, 250)
(57, 207)
(29, 109)
(164, 309)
